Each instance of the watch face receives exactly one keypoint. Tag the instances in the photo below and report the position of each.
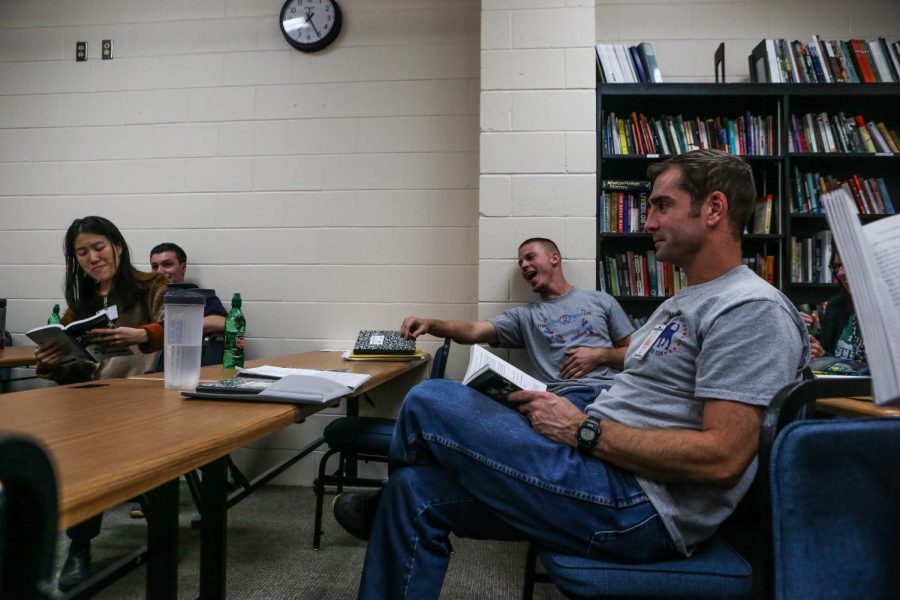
(588, 434)
(310, 25)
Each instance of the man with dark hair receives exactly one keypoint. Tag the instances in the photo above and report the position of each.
(647, 471)
(169, 259)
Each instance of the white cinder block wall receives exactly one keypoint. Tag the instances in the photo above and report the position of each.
(336, 191)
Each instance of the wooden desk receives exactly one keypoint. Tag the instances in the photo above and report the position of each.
(112, 440)
(855, 407)
(17, 356)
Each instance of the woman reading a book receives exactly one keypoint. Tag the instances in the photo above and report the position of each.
(99, 275)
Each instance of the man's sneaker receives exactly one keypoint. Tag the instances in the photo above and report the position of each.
(355, 512)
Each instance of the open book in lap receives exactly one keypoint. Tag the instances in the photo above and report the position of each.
(494, 377)
(871, 257)
(75, 337)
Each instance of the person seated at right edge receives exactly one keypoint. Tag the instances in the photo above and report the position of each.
(653, 466)
(838, 332)
(170, 260)
(576, 338)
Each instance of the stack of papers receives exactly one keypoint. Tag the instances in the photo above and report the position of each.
(351, 380)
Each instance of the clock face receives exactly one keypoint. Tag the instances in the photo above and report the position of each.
(310, 25)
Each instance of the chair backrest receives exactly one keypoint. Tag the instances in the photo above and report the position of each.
(213, 349)
(836, 514)
(439, 362)
(29, 519)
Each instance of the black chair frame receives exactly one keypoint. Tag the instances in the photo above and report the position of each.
(346, 472)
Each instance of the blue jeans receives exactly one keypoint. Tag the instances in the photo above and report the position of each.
(475, 468)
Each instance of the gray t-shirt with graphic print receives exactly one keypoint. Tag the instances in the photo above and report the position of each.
(547, 328)
(734, 338)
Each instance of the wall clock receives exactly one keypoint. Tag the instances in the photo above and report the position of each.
(310, 25)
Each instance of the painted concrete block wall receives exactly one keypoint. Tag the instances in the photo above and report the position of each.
(538, 142)
(685, 34)
(336, 191)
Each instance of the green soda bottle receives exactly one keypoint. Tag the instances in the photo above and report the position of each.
(235, 326)
(54, 315)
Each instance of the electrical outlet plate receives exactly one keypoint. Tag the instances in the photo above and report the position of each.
(106, 50)
(80, 51)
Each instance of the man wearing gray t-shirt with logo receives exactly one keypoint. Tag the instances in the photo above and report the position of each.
(576, 339)
(648, 470)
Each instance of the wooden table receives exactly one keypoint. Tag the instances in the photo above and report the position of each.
(112, 440)
(17, 356)
(861, 406)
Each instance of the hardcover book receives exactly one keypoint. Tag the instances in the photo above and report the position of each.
(75, 338)
(383, 342)
(496, 378)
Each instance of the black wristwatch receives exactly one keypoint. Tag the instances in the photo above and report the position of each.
(588, 434)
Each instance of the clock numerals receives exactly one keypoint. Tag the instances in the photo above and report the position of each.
(310, 25)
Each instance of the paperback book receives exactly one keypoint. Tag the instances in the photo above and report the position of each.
(76, 339)
(871, 257)
(496, 378)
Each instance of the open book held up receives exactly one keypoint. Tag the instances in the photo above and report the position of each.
(871, 256)
(76, 339)
(494, 377)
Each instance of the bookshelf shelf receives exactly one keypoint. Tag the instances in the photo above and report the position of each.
(774, 173)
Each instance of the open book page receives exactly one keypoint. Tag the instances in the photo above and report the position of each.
(350, 380)
(870, 257)
(495, 377)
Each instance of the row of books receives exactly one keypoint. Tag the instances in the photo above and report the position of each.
(634, 274)
(811, 258)
(821, 132)
(637, 134)
(623, 205)
(762, 264)
(870, 194)
(823, 61)
(628, 64)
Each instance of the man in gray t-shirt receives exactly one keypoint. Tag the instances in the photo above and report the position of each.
(576, 339)
(653, 466)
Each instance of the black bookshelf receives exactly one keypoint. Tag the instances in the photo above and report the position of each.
(773, 173)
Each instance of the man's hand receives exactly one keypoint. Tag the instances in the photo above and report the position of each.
(552, 416)
(119, 336)
(413, 327)
(815, 347)
(812, 321)
(581, 361)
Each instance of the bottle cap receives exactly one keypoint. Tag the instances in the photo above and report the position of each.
(236, 300)
(56, 308)
(183, 297)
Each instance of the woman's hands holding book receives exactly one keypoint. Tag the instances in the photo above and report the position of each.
(119, 336)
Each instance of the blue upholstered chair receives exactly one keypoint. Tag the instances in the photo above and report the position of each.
(836, 509)
(715, 570)
(359, 439)
(28, 519)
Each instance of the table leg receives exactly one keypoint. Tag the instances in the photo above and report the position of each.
(213, 530)
(162, 541)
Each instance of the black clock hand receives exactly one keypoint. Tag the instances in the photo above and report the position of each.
(313, 25)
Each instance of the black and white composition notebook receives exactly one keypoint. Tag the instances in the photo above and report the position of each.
(382, 342)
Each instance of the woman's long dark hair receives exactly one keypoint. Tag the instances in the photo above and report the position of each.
(81, 289)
